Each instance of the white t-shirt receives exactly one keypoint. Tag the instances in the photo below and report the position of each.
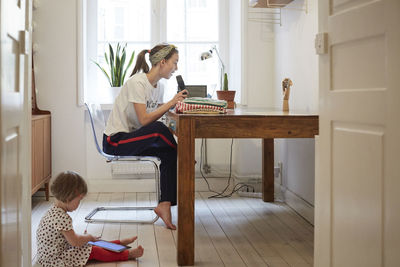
(137, 89)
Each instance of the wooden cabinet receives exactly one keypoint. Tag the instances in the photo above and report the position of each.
(41, 153)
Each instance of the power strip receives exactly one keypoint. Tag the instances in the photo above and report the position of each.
(250, 194)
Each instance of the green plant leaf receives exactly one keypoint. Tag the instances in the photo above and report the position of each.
(111, 64)
(106, 58)
(116, 64)
(129, 64)
(120, 72)
(104, 71)
(117, 69)
(226, 87)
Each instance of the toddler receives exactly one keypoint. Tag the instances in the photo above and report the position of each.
(58, 244)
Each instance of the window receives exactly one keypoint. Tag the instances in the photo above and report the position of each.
(194, 26)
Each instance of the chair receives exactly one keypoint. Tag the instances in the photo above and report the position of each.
(98, 123)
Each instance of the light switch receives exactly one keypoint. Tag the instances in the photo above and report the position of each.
(321, 43)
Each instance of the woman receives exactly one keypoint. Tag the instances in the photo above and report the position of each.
(133, 129)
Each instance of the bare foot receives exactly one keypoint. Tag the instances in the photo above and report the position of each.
(163, 210)
(136, 252)
(127, 241)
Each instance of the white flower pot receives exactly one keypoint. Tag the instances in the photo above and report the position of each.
(114, 91)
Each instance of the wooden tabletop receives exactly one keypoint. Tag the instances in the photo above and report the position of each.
(250, 123)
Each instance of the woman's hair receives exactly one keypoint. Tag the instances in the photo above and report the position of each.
(67, 186)
(141, 64)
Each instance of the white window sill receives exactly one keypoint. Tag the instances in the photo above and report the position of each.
(106, 106)
(103, 106)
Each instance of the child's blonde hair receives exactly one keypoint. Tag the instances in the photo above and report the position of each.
(68, 185)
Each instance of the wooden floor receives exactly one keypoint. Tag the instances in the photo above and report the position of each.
(232, 231)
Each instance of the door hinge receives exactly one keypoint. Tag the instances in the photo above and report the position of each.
(24, 42)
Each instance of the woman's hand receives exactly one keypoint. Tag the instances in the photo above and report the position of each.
(180, 96)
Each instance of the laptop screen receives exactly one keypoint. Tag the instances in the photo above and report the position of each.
(197, 90)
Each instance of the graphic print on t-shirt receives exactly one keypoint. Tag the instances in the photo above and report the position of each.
(151, 105)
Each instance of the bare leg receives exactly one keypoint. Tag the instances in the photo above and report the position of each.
(127, 241)
(136, 252)
(163, 210)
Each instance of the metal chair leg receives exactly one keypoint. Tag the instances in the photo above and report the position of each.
(89, 218)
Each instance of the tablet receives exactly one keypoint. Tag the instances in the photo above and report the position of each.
(109, 245)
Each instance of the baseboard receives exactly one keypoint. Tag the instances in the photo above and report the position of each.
(147, 185)
(302, 207)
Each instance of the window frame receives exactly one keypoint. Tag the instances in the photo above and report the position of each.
(88, 8)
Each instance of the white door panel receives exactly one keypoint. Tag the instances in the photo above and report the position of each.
(349, 110)
(366, 56)
(357, 180)
(357, 194)
(10, 206)
(357, 20)
(13, 147)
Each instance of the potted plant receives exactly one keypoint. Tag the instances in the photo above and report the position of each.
(227, 94)
(116, 69)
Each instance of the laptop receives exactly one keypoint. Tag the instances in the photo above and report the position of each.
(197, 90)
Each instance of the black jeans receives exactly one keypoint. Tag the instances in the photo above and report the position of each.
(154, 139)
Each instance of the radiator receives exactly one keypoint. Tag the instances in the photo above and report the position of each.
(132, 170)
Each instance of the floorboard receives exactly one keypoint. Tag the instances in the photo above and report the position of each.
(232, 231)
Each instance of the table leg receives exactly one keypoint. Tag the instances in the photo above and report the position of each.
(268, 170)
(46, 190)
(185, 192)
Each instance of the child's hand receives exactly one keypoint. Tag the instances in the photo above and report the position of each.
(77, 240)
(91, 237)
(95, 238)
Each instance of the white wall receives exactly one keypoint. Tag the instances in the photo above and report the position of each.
(273, 53)
(54, 38)
(295, 58)
(257, 89)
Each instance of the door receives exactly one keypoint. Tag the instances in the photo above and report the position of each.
(357, 201)
(14, 133)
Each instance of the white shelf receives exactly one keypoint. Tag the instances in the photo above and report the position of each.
(269, 3)
(270, 11)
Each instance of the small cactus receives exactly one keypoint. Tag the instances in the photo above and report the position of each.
(226, 88)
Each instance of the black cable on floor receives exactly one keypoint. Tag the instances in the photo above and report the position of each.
(221, 194)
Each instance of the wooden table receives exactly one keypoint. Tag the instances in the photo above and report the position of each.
(239, 123)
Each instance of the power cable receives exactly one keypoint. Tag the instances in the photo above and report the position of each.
(234, 189)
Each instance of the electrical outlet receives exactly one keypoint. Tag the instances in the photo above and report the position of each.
(206, 169)
(278, 173)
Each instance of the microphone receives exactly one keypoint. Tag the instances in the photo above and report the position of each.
(181, 83)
